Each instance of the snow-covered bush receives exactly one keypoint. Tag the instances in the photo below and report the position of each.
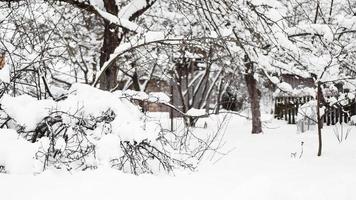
(307, 116)
(88, 129)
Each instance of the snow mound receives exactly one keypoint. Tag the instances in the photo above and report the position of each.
(85, 129)
(26, 110)
(129, 122)
(87, 102)
(16, 154)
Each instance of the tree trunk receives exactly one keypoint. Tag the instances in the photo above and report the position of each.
(254, 96)
(111, 41)
(136, 82)
(319, 120)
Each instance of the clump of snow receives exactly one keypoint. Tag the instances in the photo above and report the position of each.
(307, 91)
(346, 21)
(351, 96)
(44, 144)
(332, 90)
(307, 116)
(108, 148)
(332, 100)
(151, 36)
(26, 110)
(196, 112)
(353, 120)
(139, 95)
(98, 3)
(158, 97)
(92, 101)
(155, 97)
(118, 21)
(350, 84)
(286, 87)
(274, 79)
(57, 92)
(296, 92)
(343, 99)
(307, 111)
(320, 29)
(129, 121)
(134, 6)
(60, 144)
(285, 42)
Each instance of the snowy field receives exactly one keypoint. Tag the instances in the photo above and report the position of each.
(86, 86)
(264, 166)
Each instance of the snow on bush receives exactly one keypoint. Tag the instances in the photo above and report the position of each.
(308, 111)
(90, 128)
(156, 97)
(296, 92)
(317, 29)
(307, 116)
(196, 112)
(285, 87)
(26, 110)
(274, 79)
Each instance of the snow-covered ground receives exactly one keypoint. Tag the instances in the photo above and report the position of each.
(265, 166)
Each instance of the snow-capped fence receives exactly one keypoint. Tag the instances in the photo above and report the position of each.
(336, 114)
(287, 108)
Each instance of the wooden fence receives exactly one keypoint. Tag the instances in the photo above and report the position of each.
(287, 108)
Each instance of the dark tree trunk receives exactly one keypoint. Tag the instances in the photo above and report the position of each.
(111, 42)
(217, 110)
(319, 120)
(135, 82)
(254, 97)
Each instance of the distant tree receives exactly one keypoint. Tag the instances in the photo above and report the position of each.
(247, 31)
(118, 24)
(322, 37)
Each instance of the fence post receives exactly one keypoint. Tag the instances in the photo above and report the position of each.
(333, 116)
